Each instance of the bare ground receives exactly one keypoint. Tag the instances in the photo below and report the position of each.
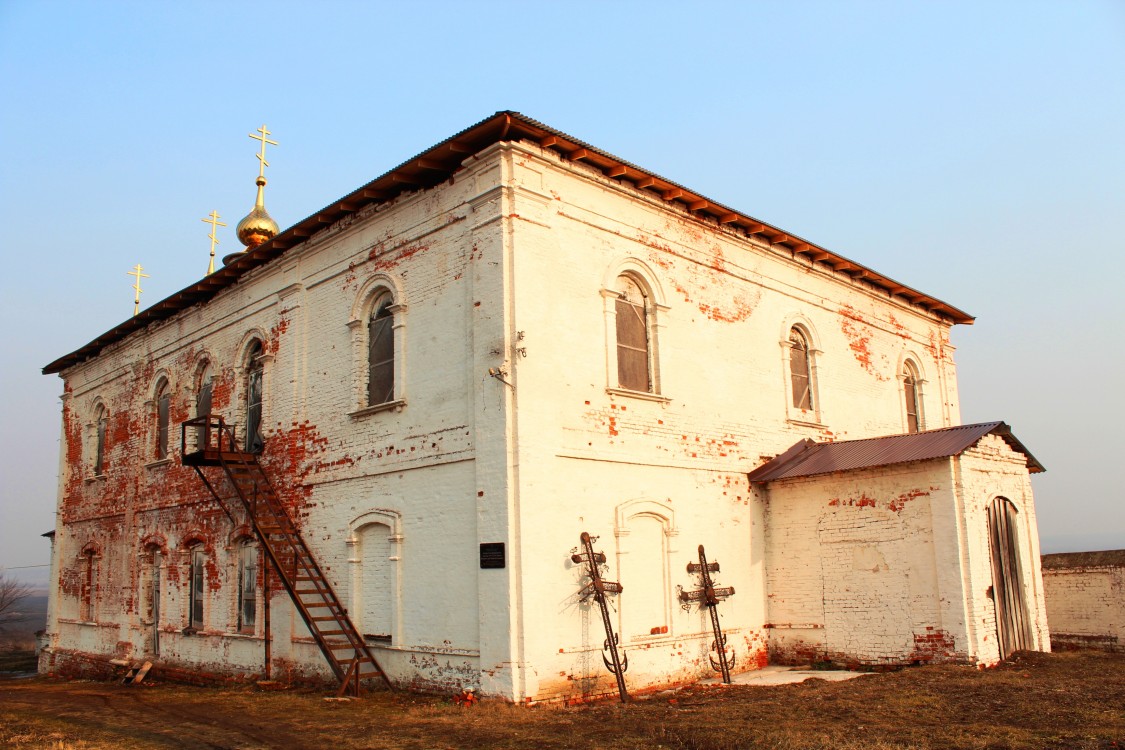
(1065, 701)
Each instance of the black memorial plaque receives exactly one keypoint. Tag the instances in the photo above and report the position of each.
(492, 555)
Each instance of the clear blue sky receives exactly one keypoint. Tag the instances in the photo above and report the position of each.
(972, 150)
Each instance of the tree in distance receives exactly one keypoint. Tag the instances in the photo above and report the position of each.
(12, 592)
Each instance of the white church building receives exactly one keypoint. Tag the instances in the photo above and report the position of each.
(409, 406)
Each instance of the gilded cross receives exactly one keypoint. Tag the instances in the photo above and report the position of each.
(262, 156)
(213, 220)
(136, 272)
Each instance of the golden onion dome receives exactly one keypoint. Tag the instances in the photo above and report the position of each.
(258, 226)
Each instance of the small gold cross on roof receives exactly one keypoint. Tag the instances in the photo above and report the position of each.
(136, 272)
(213, 220)
(262, 156)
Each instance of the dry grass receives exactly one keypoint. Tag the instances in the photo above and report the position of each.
(1058, 701)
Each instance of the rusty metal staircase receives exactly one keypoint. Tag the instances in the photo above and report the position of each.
(209, 441)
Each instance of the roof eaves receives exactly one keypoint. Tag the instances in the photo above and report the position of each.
(442, 161)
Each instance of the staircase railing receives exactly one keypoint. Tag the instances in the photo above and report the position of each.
(214, 444)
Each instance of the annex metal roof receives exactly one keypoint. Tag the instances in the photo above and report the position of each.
(441, 162)
(809, 458)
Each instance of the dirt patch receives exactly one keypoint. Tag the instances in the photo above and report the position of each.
(1070, 700)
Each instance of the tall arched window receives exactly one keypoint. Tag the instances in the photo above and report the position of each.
(163, 405)
(203, 386)
(381, 352)
(101, 426)
(247, 586)
(378, 333)
(88, 604)
(910, 388)
(198, 562)
(149, 589)
(634, 350)
(800, 371)
(254, 373)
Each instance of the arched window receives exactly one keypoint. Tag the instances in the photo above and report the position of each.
(247, 586)
(378, 332)
(88, 604)
(254, 373)
(163, 406)
(101, 426)
(800, 370)
(203, 386)
(203, 406)
(634, 349)
(198, 562)
(381, 352)
(910, 389)
(149, 585)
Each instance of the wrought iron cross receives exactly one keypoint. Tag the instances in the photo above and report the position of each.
(597, 588)
(262, 156)
(136, 272)
(213, 220)
(709, 596)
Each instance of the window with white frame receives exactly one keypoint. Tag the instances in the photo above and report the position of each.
(378, 324)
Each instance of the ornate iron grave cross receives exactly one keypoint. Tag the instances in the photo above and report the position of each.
(710, 596)
(598, 588)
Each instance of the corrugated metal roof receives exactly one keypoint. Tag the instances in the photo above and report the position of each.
(439, 163)
(1110, 558)
(808, 458)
